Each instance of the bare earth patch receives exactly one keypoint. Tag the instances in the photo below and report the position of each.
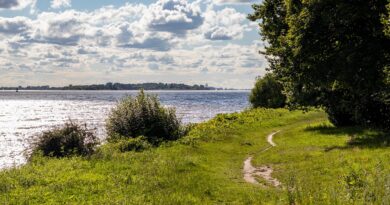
(265, 172)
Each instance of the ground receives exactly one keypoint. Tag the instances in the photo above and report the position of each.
(315, 162)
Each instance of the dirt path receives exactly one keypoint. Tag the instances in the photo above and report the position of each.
(270, 139)
(265, 172)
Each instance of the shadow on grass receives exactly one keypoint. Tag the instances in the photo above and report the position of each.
(359, 137)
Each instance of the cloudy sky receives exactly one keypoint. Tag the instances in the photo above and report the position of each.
(61, 42)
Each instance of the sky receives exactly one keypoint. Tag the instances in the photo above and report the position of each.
(62, 42)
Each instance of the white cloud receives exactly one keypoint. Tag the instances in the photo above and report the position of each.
(8, 3)
(131, 26)
(13, 26)
(159, 26)
(226, 24)
(16, 4)
(56, 4)
(234, 1)
(175, 16)
(165, 41)
(65, 28)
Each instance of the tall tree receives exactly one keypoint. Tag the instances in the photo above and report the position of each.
(267, 93)
(330, 53)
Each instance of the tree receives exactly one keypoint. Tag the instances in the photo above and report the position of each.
(330, 53)
(386, 20)
(267, 93)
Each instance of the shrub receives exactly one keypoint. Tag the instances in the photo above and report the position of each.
(143, 115)
(186, 129)
(267, 93)
(133, 144)
(69, 140)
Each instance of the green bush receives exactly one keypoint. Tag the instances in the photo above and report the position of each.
(69, 140)
(133, 144)
(143, 115)
(267, 93)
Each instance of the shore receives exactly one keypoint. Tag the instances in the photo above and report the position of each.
(314, 162)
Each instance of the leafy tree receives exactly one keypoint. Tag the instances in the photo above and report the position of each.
(386, 20)
(330, 53)
(267, 93)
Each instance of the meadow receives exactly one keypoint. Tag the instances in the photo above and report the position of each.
(315, 162)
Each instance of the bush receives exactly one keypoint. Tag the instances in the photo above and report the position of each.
(133, 144)
(69, 140)
(267, 93)
(143, 116)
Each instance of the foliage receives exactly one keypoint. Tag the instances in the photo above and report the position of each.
(267, 93)
(330, 53)
(386, 20)
(69, 140)
(143, 115)
(133, 144)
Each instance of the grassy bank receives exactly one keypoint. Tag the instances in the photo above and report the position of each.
(316, 163)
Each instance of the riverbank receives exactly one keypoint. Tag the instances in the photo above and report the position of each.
(26, 114)
(315, 163)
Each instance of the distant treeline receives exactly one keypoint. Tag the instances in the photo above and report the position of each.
(118, 86)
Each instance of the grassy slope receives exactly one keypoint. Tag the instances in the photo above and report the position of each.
(312, 158)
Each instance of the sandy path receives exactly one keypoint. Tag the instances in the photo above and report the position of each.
(250, 172)
(270, 139)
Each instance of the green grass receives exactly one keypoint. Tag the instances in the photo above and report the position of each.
(317, 164)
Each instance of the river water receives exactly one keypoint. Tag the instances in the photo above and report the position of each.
(25, 114)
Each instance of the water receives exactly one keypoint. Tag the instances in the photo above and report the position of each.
(25, 114)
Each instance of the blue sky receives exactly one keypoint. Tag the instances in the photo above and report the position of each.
(61, 42)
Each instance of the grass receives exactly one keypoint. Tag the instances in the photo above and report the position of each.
(322, 164)
(317, 164)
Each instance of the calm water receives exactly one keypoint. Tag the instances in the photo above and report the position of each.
(24, 114)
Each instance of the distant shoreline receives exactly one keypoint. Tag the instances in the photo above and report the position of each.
(157, 90)
(119, 86)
